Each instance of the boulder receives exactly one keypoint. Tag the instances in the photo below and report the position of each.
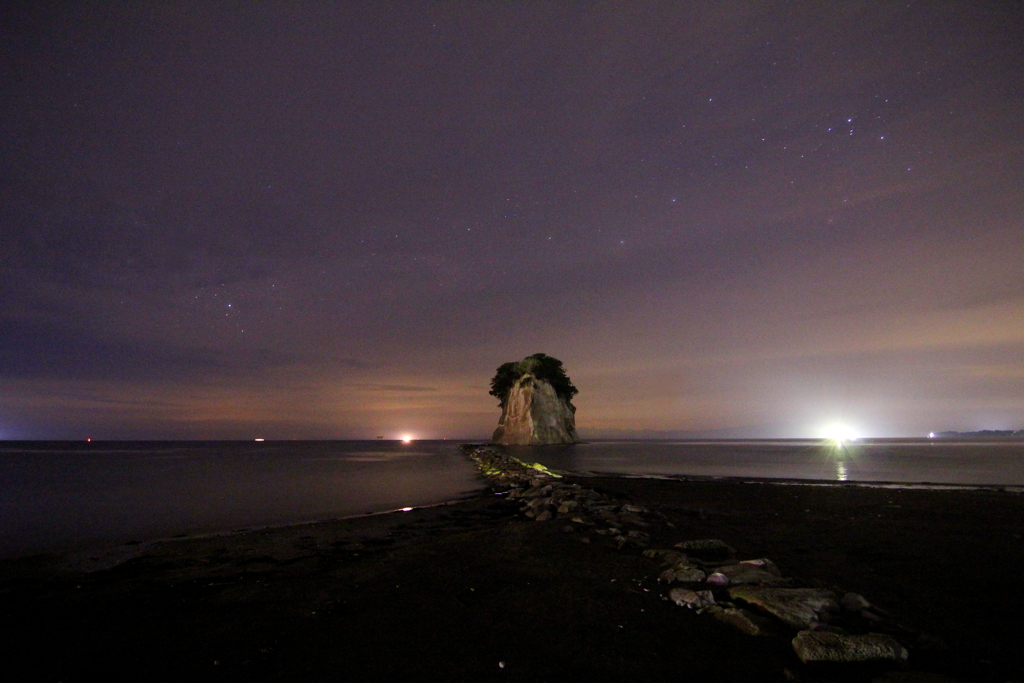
(822, 646)
(796, 607)
(635, 539)
(535, 415)
(718, 579)
(666, 556)
(692, 599)
(762, 563)
(683, 574)
(745, 621)
(750, 573)
(707, 548)
(854, 602)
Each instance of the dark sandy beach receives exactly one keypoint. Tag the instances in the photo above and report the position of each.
(475, 591)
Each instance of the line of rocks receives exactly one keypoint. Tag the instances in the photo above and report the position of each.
(704, 574)
(543, 497)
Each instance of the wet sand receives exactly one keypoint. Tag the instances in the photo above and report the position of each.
(475, 591)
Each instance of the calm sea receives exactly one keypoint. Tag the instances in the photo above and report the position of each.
(62, 495)
(992, 462)
(57, 496)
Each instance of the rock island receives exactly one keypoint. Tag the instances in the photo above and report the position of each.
(535, 396)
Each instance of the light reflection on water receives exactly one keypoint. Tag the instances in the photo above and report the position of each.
(841, 474)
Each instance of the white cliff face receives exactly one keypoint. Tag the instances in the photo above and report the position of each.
(535, 415)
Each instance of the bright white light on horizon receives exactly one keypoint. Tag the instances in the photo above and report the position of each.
(406, 438)
(840, 433)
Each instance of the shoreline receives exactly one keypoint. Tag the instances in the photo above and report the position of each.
(18, 547)
(106, 556)
(486, 491)
(383, 595)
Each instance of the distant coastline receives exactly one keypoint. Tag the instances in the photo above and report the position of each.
(983, 432)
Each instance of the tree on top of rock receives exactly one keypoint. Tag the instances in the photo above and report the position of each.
(541, 366)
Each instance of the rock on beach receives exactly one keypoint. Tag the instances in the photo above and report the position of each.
(744, 620)
(823, 646)
(796, 607)
(692, 599)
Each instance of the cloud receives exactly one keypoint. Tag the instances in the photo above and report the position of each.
(394, 387)
(31, 349)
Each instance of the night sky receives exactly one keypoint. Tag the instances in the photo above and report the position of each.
(308, 220)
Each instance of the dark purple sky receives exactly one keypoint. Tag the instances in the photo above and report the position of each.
(335, 221)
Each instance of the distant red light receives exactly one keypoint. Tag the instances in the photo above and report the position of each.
(88, 439)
